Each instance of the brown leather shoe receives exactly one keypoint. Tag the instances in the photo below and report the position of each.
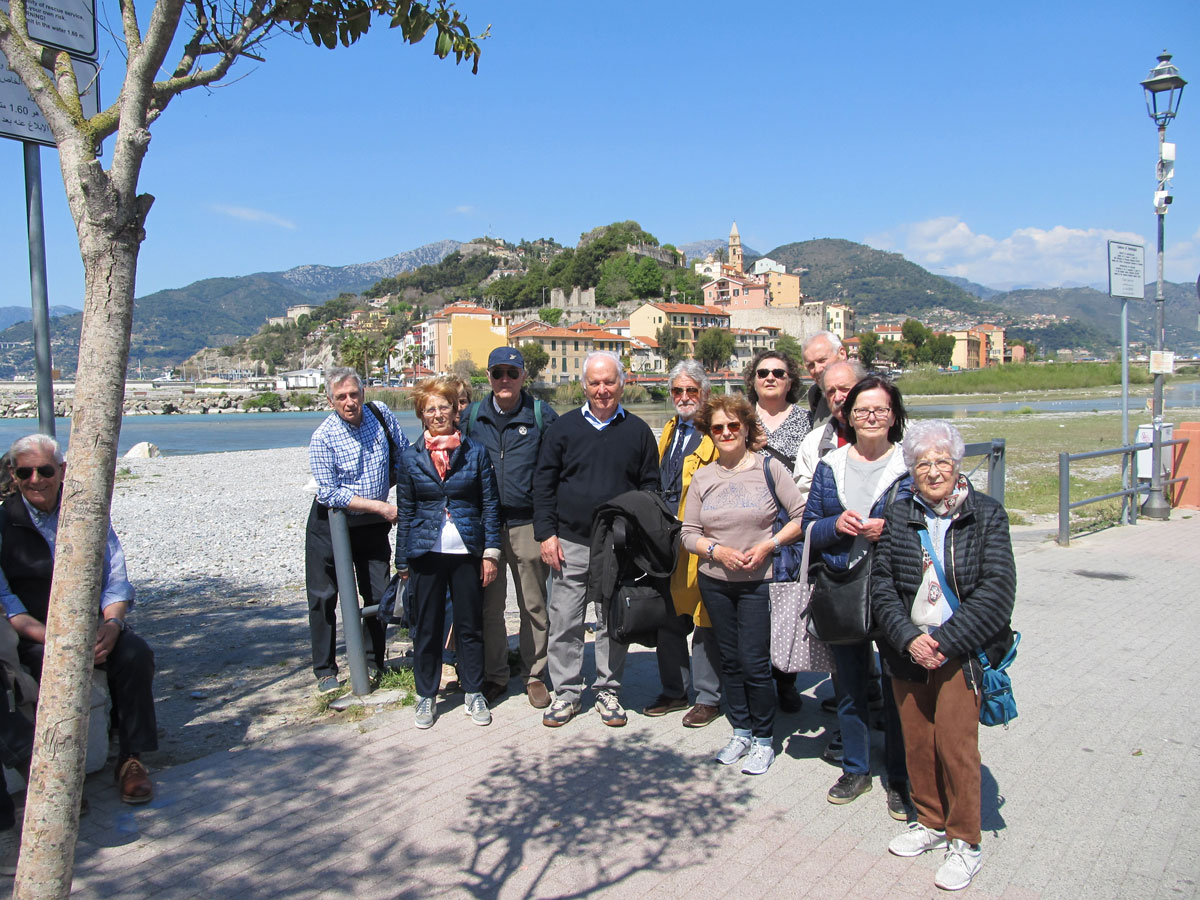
(663, 704)
(700, 715)
(539, 697)
(493, 691)
(134, 782)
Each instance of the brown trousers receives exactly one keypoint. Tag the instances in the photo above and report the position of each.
(941, 740)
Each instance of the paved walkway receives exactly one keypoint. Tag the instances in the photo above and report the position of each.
(1093, 792)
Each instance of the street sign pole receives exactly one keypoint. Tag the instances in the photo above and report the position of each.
(37, 287)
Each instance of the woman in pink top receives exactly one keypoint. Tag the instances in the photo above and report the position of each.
(727, 522)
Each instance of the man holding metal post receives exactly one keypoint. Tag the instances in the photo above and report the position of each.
(353, 455)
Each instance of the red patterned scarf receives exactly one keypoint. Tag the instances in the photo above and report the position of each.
(440, 447)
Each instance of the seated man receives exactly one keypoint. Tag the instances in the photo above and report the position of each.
(28, 527)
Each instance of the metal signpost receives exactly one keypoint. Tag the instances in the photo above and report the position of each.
(68, 25)
(1127, 280)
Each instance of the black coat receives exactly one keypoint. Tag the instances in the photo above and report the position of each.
(979, 567)
(651, 536)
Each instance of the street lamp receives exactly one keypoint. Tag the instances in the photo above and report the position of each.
(1164, 89)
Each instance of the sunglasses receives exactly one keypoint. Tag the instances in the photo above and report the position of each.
(732, 428)
(501, 372)
(24, 473)
(690, 391)
(778, 373)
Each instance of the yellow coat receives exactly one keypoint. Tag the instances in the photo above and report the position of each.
(685, 590)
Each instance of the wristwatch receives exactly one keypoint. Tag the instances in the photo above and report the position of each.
(119, 622)
(711, 549)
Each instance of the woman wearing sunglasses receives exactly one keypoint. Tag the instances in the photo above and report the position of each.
(447, 539)
(773, 386)
(727, 522)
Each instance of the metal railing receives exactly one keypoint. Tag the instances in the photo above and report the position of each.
(1128, 496)
(993, 457)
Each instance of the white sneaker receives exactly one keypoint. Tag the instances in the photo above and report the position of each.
(426, 712)
(917, 840)
(759, 760)
(476, 707)
(959, 867)
(738, 746)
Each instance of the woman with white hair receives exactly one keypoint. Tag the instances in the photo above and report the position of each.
(931, 638)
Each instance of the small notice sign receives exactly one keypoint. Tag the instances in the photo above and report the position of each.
(1162, 362)
(67, 24)
(1126, 270)
(20, 117)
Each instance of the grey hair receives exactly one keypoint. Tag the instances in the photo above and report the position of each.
(856, 368)
(336, 375)
(924, 435)
(835, 342)
(689, 368)
(34, 442)
(605, 354)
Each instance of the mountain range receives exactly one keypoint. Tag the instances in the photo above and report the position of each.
(171, 325)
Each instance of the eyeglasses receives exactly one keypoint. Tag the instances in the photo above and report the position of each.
(502, 372)
(778, 373)
(24, 473)
(690, 391)
(879, 412)
(437, 411)
(732, 428)
(925, 466)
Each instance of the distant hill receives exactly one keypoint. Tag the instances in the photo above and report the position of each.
(11, 315)
(169, 326)
(975, 290)
(870, 280)
(701, 249)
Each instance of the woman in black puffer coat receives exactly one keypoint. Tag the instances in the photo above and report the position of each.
(931, 640)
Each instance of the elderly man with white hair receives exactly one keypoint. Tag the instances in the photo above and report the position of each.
(28, 529)
(588, 456)
(819, 350)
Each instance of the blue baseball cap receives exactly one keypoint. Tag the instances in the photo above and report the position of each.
(506, 356)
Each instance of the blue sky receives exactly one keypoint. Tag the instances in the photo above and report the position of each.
(1002, 142)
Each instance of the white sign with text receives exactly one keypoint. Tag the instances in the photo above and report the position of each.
(20, 117)
(1126, 270)
(67, 24)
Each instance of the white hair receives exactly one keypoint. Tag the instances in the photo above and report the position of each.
(32, 443)
(605, 354)
(689, 368)
(856, 368)
(924, 435)
(338, 374)
(835, 342)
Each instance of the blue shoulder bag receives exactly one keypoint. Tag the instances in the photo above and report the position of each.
(997, 706)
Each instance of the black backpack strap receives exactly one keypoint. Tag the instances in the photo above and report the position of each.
(392, 454)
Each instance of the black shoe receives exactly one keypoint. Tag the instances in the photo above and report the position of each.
(833, 750)
(493, 691)
(848, 788)
(897, 803)
(790, 700)
(829, 705)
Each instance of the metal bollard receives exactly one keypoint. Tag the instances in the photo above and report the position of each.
(352, 629)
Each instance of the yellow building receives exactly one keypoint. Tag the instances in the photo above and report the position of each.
(839, 319)
(461, 332)
(968, 349)
(785, 289)
(686, 320)
(566, 348)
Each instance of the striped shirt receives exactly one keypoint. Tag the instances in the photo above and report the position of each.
(351, 461)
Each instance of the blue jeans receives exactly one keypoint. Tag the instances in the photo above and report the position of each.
(854, 716)
(741, 618)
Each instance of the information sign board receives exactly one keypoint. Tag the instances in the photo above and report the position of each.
(1126, 270)
(20, 117)
(67, 24)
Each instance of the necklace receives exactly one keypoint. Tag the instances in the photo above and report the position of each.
(737, 466)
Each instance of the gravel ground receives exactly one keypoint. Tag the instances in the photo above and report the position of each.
(215, 548)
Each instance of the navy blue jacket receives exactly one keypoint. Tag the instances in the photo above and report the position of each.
(824, 505)
(469, 492)
(512, 442)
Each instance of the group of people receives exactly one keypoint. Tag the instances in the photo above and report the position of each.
(506, 485)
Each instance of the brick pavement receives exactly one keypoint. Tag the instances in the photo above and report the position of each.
(1089, 794)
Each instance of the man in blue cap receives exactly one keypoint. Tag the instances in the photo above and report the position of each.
(509, 422)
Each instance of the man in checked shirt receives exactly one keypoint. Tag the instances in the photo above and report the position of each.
(353, 455)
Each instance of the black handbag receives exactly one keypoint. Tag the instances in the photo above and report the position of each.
(641, 604)
(840, 610)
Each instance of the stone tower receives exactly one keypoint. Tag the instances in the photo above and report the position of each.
(735, 250)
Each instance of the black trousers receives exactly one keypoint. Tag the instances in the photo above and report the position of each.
(431, 575)
(130, 671)
(372, 555)
(16, 749)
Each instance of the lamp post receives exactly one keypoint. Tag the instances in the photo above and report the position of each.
(1164, 89)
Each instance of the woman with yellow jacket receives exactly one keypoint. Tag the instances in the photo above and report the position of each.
(682, 449)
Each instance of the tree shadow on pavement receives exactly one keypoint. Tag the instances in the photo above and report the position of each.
(567, 824)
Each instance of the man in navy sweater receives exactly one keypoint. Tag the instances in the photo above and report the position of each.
(588, 456)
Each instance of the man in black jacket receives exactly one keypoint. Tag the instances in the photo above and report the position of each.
(588, 456)
(510, 422)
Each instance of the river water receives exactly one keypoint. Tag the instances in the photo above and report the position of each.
(218, 433)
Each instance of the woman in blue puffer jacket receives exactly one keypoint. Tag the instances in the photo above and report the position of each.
(851, 487)
(447, 539)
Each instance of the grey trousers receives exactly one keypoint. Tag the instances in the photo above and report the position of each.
(522, 555)
(704, 673)
(567, 616)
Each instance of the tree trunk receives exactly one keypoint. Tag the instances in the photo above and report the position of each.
(110, 233)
